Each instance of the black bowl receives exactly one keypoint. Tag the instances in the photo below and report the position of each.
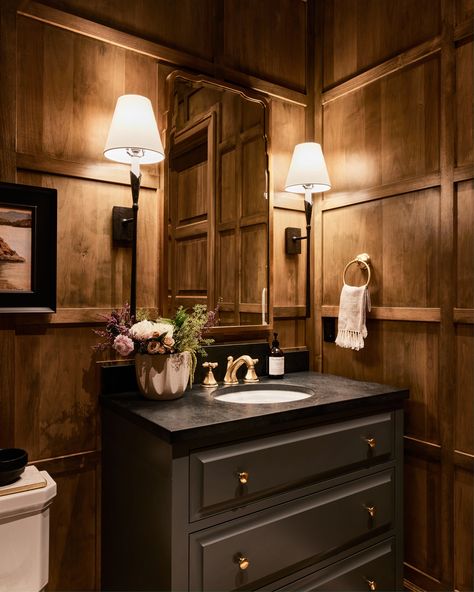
(12, 464)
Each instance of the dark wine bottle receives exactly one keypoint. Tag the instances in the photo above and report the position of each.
(276, 360)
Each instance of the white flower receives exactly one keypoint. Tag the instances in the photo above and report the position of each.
(163, 327)
(148, 329)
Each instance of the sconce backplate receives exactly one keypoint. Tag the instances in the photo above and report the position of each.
(122, 231)
(292, 247)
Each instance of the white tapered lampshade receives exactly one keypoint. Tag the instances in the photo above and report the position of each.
(134, 127)
(308, 170)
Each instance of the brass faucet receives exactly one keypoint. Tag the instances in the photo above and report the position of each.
(234, 365)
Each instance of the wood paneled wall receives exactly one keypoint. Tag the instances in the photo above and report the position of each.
(64, 63)
(396, 118)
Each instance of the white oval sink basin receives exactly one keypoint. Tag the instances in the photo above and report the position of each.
(260, 396)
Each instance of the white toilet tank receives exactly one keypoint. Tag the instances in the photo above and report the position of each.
(24, 538)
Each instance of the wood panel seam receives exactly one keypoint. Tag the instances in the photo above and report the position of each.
(402, 60)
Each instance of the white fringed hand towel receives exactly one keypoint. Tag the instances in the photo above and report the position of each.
(351, 326)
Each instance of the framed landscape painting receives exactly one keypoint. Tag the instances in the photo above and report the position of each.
(28, 224)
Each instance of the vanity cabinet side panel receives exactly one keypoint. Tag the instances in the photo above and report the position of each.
(398, 499)
(136, 488)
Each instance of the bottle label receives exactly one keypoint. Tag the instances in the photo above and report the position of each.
(276, 366)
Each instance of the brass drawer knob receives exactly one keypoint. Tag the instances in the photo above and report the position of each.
(243, 478)
(371, 442)
(371, 583)
(371, 510)
(244, 563)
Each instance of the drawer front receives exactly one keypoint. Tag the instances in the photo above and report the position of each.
(372, 569)
(278, 541)
(234, 475)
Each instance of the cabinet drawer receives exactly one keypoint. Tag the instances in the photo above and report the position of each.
(371, 569)
(233, 475)
(278, 541)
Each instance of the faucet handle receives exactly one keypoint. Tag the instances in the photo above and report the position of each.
(251, 375)
(209, 380)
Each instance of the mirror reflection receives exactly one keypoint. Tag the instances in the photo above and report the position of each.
(217, 201)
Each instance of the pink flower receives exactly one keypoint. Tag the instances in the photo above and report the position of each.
(123, 345)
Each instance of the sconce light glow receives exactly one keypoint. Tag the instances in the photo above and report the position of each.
(308, 172)
(133, 139)
(134, 132)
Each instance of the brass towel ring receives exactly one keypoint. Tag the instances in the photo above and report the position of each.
(362, 260)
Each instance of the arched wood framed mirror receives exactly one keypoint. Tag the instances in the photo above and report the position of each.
(217, 203)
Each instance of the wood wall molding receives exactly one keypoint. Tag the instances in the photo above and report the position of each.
(344, 198)
(464, 173)
(392, 313)
(428, 450)
(463, 31)
(403, 60)
(162, 53)
(464, 315)
(99, 171)
(289, 312)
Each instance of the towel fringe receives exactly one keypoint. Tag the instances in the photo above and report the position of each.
(351, 339)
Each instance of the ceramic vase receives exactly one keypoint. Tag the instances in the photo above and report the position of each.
(163, 377)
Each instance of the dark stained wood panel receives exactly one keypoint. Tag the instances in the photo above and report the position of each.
(464, 11)
(465, 244)
(422, 512)
(464, 403)
(254, 263)
(192, 193)
(463, 526)
(398, 128)
(287, 130)
(226, 256)
(91, 271)
(191, 261)
(291, 291)
(385, 131)
(404, 354)
(7, 384)
(267, 39)
(56, 405)
(464, 104)
(254, 200)
(182, 24)
(400, 234)
(361, 33)
(75, 82)
(291, 333)
(74, 525)
(228, 187)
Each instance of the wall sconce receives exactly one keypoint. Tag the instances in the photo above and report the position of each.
(307, 174)
(133, 139)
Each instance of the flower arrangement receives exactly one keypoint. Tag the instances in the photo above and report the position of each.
(182, 333)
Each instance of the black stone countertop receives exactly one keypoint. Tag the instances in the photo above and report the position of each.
(198, 414)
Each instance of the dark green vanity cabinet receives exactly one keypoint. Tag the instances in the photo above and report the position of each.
(303, 498)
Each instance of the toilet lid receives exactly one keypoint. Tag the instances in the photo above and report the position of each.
(27, 502)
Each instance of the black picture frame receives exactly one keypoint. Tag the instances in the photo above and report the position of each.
(28, 289)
